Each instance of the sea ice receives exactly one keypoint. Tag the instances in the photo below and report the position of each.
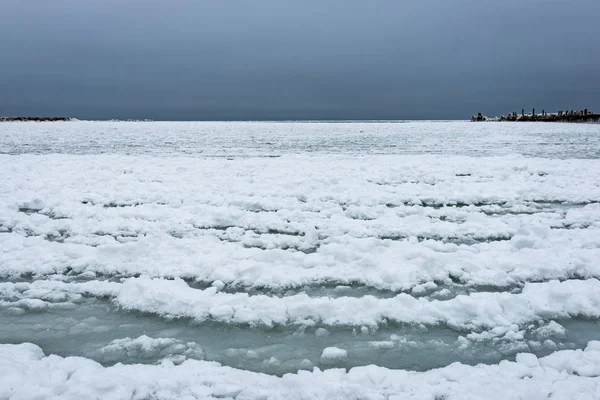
(26, 373)
(411, 245)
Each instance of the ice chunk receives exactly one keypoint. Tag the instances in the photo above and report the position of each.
(333, 355)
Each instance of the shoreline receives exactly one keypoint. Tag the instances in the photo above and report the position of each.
(35, 119)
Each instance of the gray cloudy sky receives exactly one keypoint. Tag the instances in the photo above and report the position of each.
(276, 59)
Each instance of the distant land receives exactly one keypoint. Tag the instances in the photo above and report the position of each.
(561, 116)
(36, 119)
(574, 116)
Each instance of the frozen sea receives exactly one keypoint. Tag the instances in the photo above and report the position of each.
(314, 260)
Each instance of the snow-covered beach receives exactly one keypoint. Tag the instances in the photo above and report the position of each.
(437, 260)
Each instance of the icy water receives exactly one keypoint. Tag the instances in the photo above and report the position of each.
(408, 245)
(271, 139)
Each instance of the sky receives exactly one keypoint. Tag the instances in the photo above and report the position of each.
(290, 60)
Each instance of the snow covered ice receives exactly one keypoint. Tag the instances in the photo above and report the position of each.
(313, 260)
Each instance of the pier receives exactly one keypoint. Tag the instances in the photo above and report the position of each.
(561, 116)
(34, 119)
